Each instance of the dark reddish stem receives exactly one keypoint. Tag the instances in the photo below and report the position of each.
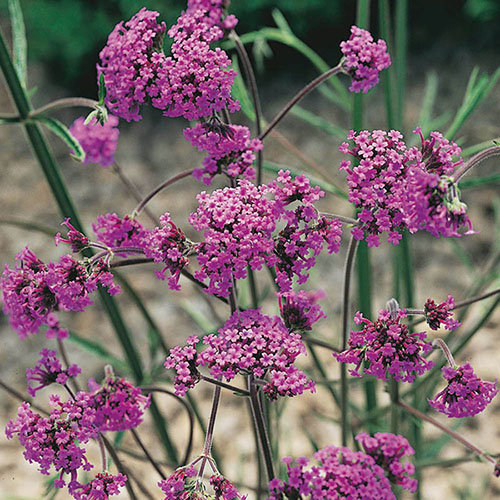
(474, 161)
(453, 434)
(230, 387)
(341, 218)
(300, 95)
(152, 461)
(138, 209)
(446, 350)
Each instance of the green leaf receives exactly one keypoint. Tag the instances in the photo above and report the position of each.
(261, 50)
(19, 44)
(240, 91)
(480, 181)
(431, 87)
(281, 22)
(319, 122)
(102, 89)
(63, 133)
(98, 350)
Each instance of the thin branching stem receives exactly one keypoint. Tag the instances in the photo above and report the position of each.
(148, 455)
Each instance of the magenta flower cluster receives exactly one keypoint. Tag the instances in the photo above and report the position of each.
(164, 244)
(75, 238)
(215, 11)
(118, 404)
(363, 59)
(396, 188)
(248, 343)
(130, 62)
(238, 225)
(230, 150)
(341, 474)
(299, 310)
(47, 371)
(34, 291)
(465, 394)
(101, 487)
(98, 141)
(182, 485)
(387, 450)
(54, 441)
(388, 346)
(437, 315)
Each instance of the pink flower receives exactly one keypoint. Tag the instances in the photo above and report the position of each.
(299, 309)
(101, 487)
(363, 59)
(440, 314)
(465, 395)
(389, 347)
(49, 370)
(75, 238)
(129, 61)
(249, 342)
(98, 141)
(230, 150)
(341, 474)
(387, 450)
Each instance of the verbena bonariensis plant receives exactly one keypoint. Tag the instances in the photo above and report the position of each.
(396, 189)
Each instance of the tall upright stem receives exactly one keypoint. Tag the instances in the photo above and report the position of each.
(351, 252)
(252, 85)
(300, 95)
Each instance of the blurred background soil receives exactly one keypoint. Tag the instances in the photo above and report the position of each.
(154, 149)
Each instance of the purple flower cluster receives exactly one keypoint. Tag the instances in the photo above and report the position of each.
(33, 291)
(49, 370)
(214, 12)
(299, 309)
(250, 343)
(396, 188)
(238, 224)
(387, 450)
(341, 474)
(53, 441)
(167, 244)
(388, 346)
(130, 62)
(101, 487)
(75, 238)
(181, 485)
(98, 141)
(465, 395)
(363, 59)
(303, 237)
(230, 150)
(194, 82)
(114, 231)
(118, 404)
(437, 315)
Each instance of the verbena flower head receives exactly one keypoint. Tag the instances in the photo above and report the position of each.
(101, 487)
(118, 404)
(184, 485)
(433, 204)
(98, 141)
(465, 395)
(114, 231)
(51, 441)
(299, 310)
(303, 237)
(49, 370)
(377, 182)
(34, 291)
(130, 62)
(341, 474)
(194, 81)
(75, 238)
(388, 346)
(387, 450)
(249, 343)
(237, 225)
(168, 245)
(214, 12)
(230, 150)
(363, 59)
(437, 315)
